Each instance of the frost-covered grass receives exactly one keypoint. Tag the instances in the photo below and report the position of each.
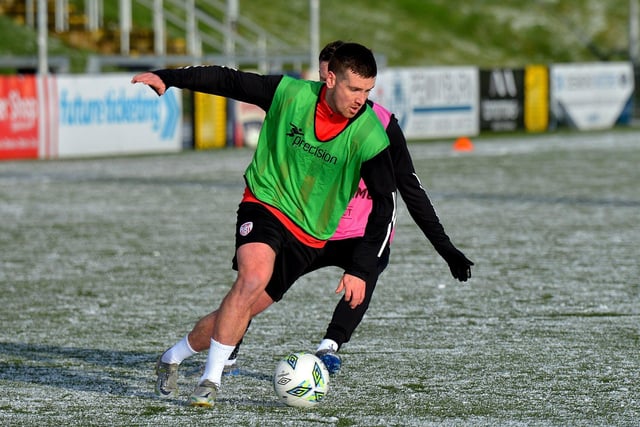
(106, 262)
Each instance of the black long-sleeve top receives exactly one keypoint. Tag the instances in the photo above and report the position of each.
(413, 193)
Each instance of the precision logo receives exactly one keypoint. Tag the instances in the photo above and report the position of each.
(297, 141)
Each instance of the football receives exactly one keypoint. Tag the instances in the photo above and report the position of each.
(301, 380)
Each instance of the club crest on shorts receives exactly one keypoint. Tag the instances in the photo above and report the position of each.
(246, 228)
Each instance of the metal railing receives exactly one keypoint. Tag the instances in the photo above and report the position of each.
(58, 64)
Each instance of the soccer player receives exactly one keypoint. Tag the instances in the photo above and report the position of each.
(316, 141)
(340, 248)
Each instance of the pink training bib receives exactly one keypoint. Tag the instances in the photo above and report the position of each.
(354, 221)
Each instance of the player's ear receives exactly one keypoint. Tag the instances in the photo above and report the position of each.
(331, 79)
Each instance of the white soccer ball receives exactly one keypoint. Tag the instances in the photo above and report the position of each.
(301, 380)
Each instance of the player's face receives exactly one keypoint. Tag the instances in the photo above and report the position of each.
(348, 92)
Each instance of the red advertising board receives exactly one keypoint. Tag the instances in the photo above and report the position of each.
(19, 125)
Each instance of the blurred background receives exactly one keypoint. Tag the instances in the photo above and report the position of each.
(512, 62)
(489, 33)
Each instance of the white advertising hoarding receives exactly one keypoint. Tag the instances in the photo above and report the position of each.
(431, 102)
(106, 114)
(590, 95)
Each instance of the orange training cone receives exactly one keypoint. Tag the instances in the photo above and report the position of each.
(463, 144)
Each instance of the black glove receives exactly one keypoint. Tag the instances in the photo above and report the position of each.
(459, 265)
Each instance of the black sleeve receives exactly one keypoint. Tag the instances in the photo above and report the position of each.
(216, 80)
(412, 191)
(377, 174)
(420, 207)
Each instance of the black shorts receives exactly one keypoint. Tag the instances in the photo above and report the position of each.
(336, 253)
(255, 224)
(339, 253)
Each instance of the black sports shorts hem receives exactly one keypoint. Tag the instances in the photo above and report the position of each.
(255, 224)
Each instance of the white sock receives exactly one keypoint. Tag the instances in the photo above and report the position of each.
(179, 352)
(327, 344)
(218, 354)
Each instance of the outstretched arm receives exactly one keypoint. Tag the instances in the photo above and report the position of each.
(252, 88)
(420, 207)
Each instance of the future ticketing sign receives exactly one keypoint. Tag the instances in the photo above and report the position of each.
(70, 116)
(106, 114)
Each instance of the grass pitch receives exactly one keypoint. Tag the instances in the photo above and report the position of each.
(106, 262)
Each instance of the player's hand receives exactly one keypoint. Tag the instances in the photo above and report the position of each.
(459, 264)
(353, 287)
(151, 80)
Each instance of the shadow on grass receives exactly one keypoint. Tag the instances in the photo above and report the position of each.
(114, 372)
(79, 369)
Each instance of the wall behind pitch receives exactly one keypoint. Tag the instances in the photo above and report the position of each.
(209, 121)
(514, 99)
(107, 115)
(85, 115)
(536, 98)
(590, 95)
(248, 120)
(19, 117)
(502, 99)
(431, 102)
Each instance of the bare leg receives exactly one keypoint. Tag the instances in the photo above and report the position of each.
(255, 266)
(200, 335)
(230, 321)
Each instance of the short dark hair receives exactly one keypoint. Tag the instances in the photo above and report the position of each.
(353, 57)
(330, 48)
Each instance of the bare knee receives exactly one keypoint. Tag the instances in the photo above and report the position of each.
(255, 267)
(246, 290)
